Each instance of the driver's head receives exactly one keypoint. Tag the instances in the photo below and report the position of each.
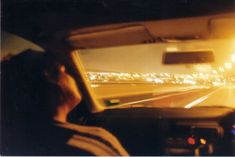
(61, 87)
(37, 84)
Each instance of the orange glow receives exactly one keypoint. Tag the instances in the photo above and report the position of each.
(202, 141)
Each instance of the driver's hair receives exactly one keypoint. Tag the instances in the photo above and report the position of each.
(30, 88)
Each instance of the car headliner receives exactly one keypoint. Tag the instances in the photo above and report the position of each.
(36, 19)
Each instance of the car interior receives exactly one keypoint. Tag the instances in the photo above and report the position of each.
(148, 110)
(145, 130)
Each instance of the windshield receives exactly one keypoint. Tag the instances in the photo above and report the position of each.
(136, 75)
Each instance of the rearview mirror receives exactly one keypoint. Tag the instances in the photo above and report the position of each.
(188, 57)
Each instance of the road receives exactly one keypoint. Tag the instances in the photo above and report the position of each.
(150, 95)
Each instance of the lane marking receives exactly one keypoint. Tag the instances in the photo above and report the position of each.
(195, 102)
(157, 98)
(199, 100)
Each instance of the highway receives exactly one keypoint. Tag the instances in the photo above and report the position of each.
(152, 95)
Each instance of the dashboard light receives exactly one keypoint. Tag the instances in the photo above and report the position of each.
(202, 141)
(191, 141)
(233, 130)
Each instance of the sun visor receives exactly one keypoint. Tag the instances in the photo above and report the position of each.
(222, 27)
(115, 37)
(186, 28)
(172, 30)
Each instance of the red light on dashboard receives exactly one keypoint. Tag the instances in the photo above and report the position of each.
(191, 141)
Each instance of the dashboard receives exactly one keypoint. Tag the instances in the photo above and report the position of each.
(194, 138)
(170, 131)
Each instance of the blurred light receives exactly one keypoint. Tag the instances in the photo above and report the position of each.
(171, 49)
(94, 85)
(214, 71)
(221, 69)
(233, 57)
(149, 79)
(157, 80)
(189, 81)
(202, 67)
(191, 141)
(136, 75)
(216, 83)
(233, 130)
(114, 101)
(228, 65)
(202, 141)
(92, 77)
(166, 74)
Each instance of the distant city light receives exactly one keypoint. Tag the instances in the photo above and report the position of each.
(94, 85)
(228, 65)
(202, 67)
(189, 81)
(233, 57)
(214, 72)
(221, 69)
(215, 83)
(214, 78)
(157, 80)
(149, 79)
